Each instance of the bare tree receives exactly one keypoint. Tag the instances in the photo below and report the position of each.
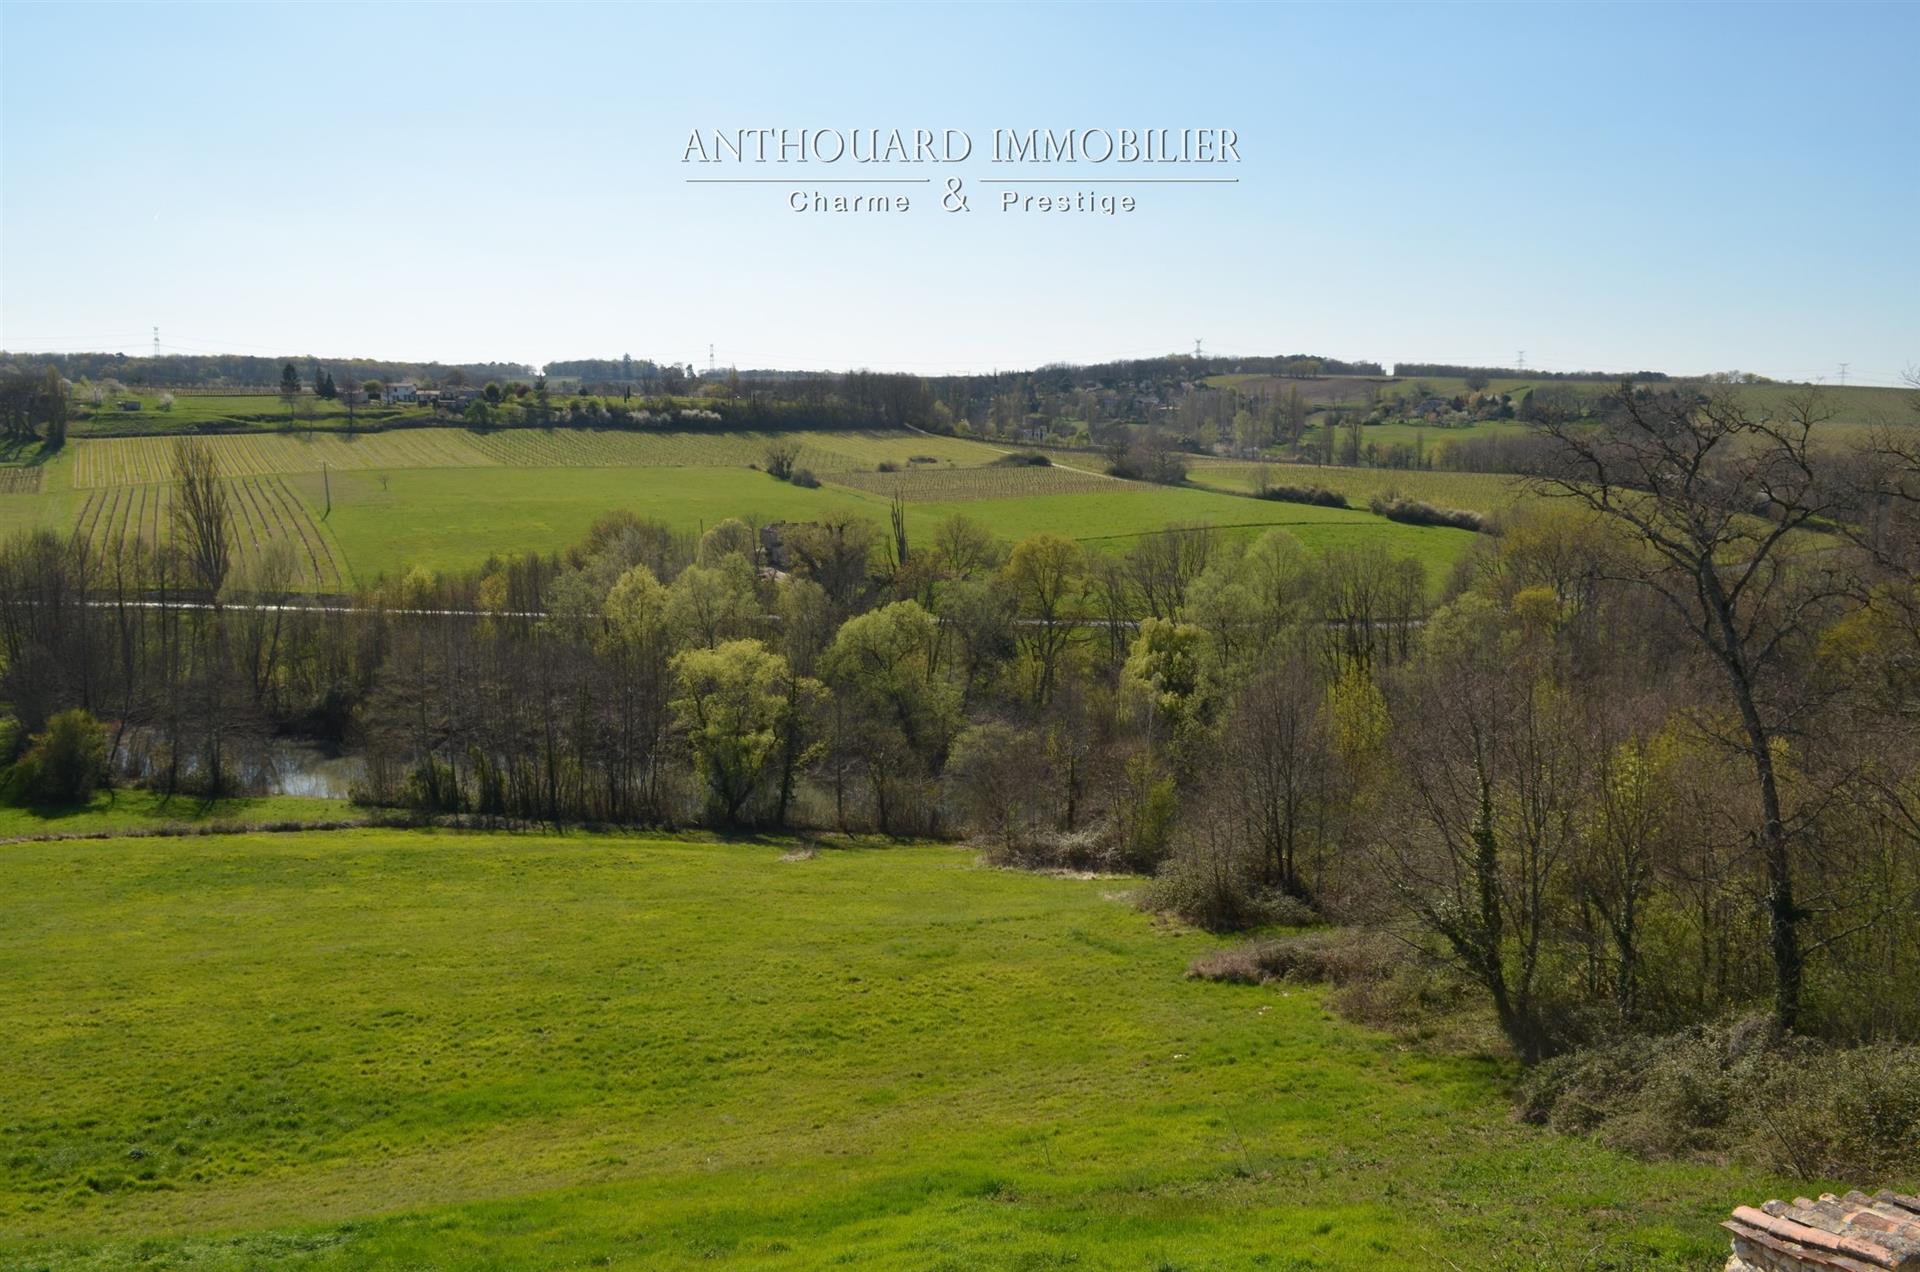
(1164, 566)
(1495, 774)
(1277, 747)
(202, 518)
(1715, 499)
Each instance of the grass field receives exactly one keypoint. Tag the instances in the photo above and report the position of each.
(998, 481)
(1481, 492)
(449, 519)
(137, 810)
(403, 1049)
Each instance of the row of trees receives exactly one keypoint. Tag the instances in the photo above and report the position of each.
(1653, 757)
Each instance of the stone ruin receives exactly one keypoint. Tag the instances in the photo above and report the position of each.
(1854, 1233)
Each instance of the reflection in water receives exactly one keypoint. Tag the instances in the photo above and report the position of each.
(273, 767)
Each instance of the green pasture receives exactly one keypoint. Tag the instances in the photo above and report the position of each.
(446, 519)
(390, 1049)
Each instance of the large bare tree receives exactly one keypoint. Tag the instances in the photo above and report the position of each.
(202, 517)
(1722, 503)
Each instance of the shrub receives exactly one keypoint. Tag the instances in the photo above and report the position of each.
(1376, 980)
(1025, 459)
(65, 764)
(1339, 957)
(804, 478)
(887, 466)
(1413, 512)
(780, 459)
(1213, 881)
(1740, 1088)
(1153, 459)
(1319, 496)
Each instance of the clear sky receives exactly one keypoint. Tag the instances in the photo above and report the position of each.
(1612, 187)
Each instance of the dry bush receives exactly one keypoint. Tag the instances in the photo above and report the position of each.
(1093, 848)
(1337, 957)
(1376, 980)
(1741, 1089)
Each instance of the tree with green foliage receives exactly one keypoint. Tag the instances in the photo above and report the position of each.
(736, 704)
(289, 387)
(886, 669)
(1045, 573)
(65, 763)
(32, 399)
(712, 604)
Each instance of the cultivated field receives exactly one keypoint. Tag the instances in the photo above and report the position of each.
(124, 460)
(1480, 492)
(394, 1049)
(265, 511)
(19, 480)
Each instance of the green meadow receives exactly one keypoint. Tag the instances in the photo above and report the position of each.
(361, 1049)
(448, 519)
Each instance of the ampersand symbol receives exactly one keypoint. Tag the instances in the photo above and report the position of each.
(953, 200)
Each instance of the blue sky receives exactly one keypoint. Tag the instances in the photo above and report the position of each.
(1613, 187)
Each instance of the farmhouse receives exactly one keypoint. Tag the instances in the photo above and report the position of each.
(130, 404)
(405, 391)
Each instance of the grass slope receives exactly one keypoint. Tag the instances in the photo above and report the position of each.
(448, 519)
(387, 1049)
